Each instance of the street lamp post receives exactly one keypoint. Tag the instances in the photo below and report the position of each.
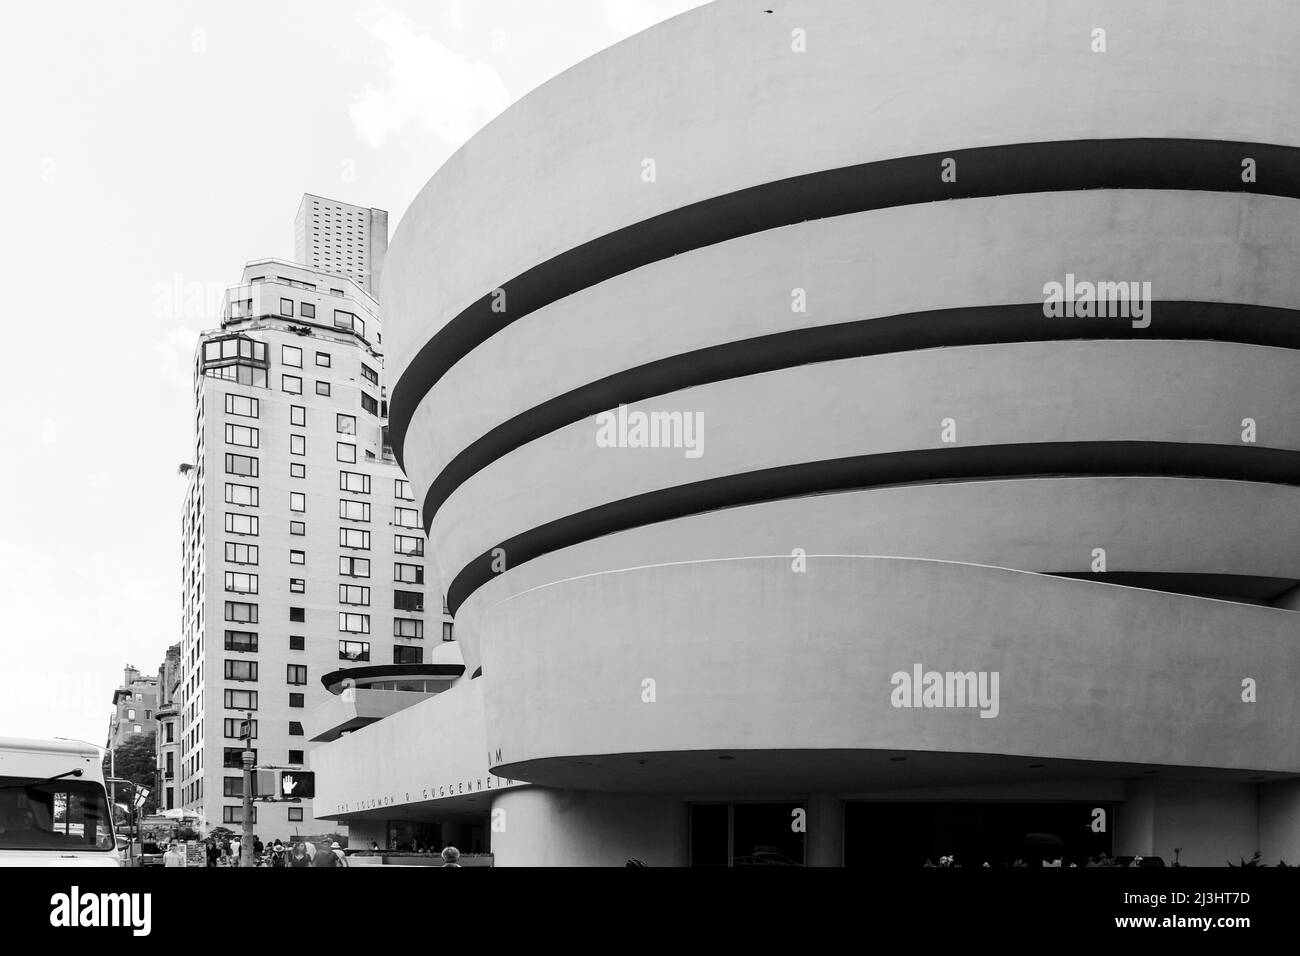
(246, 845)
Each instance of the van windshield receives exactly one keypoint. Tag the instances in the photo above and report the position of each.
(69, 815)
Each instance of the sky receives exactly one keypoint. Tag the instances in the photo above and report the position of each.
(148, 150)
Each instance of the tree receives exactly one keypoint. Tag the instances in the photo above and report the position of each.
(136, 761)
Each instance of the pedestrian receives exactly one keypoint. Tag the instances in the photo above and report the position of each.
(225, 853)
(338, 852)
(174, 855)
(449, 856)
(212, 852)
(325, 857)
(374, 846)
(299, 856)
(234, 852)
(277, 854)
(258, 847)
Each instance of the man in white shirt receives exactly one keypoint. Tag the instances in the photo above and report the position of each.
(174, 856)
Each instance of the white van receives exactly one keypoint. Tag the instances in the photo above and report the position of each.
(54, 809)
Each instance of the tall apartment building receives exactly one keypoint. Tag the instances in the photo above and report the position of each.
(342, 239)
(134, 704)
(303, 545)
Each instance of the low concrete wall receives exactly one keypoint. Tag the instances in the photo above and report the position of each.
(582, 828)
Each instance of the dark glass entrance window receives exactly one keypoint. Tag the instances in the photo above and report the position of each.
(747, 834)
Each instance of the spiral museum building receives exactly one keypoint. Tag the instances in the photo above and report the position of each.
(852, 432)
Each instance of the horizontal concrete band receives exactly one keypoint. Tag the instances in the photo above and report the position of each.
(985, 325)
(751, 654)
(958, 463)
(1181, 164)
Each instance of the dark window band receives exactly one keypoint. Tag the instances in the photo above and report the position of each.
(1186, 164)
(984, 325)
(926, 466)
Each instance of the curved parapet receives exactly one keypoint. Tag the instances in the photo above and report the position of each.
(812, 675)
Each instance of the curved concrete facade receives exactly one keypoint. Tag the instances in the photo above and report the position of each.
(710, 221)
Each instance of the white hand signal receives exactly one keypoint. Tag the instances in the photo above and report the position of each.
(287, 783)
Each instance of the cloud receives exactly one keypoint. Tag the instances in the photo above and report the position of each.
(428, 86)
(632, 16)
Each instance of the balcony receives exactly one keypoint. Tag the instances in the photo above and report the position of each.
(364, 695)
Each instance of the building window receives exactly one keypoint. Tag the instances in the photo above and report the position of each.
(354, 594)
(354, 482)
(241, 613)
(130, 715)
(345, 424)
(295, 756)
(290, 355)
(295, 814)
(297, 700)
(244, 495)
(406, 517)
(244, 466)
(239, 699)
(354, 567)
(297, 642)
(298, 528)
(408, 573)
(369, 374)
(354, 650)
(348, 321)
(236, 814)
(230, 730)
(322, 388)
(402, 489)
(307, 310)
(343, 452)
(446, 631)
(286, 308)
(369, 404)
(291, 384)
(241, 670)
(406, 627)
(297, 469)
(237, 553)
(241, 583)
(354, 623)
(297, 444)
(408, 545)
(241, 641)
(408, 600)
(297, 614)
(297, 586)
(323, 359)
(298, 415)
(240, 405)
(351, 510)
(296, 673)
(241, 524)
(244, 435)
(295, 729)
(297, 501)
(408, 655)
(297, 557)
(233, 786)
(354, 538)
